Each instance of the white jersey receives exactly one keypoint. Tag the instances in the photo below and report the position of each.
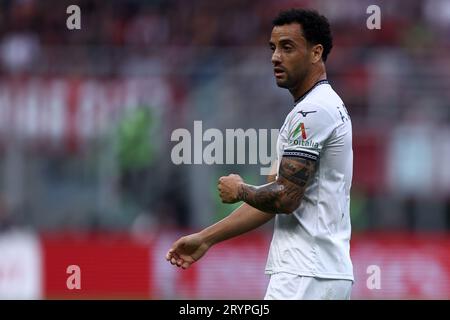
(315, 239)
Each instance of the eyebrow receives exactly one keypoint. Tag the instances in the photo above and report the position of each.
(283, 41)
(289, 41)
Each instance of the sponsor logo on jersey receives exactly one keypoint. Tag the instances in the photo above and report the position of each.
(303, 143)
(305, 113)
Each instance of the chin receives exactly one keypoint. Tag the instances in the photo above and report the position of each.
(282, 84)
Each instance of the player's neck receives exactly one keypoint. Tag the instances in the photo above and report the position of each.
(310, 80)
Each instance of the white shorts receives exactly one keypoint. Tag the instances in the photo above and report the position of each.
(287, 286)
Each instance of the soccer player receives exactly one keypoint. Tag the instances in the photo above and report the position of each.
(309, 196)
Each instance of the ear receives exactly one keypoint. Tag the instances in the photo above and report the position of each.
(316, 53)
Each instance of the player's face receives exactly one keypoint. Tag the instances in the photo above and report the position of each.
(290, 55)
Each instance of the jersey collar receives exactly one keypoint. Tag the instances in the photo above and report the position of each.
(318, 83)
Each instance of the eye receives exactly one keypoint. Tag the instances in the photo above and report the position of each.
(272, 48)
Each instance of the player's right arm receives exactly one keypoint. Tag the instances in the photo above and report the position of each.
(186, 250)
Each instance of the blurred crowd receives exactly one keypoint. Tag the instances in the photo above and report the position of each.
(209, 60)
(28, 28)
(149, 23)
(174, 37)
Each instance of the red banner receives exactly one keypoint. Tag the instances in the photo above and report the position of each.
(109, 267)
(386, 266)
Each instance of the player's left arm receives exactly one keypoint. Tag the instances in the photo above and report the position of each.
(284, 195)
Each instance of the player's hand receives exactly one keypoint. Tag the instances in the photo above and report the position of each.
(186, 250)
(229, 188)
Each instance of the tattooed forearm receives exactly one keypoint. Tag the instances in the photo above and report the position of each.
(285, 194)
(265, 198)
(297, 170)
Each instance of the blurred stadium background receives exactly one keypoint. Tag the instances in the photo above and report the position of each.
(86, 117)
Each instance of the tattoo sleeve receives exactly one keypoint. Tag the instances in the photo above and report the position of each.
(285, 194)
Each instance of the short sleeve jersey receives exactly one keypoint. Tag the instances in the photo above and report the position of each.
(315, 239)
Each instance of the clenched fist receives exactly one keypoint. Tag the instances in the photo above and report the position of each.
(229, 188)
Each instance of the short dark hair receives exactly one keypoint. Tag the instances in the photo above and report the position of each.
(316, 27)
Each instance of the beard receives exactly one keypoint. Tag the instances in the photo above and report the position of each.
(291, 82)
(285, 82)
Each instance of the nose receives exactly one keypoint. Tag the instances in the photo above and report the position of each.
(276, 58)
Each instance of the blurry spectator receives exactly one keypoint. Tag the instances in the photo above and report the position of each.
(19, 51)
(136, 157)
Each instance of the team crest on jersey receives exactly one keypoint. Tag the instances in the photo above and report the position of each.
(299, 130)
(299, 137)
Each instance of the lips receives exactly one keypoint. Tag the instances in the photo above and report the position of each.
(278, 72)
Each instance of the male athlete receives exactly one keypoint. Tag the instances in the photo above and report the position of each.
(309, 196)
